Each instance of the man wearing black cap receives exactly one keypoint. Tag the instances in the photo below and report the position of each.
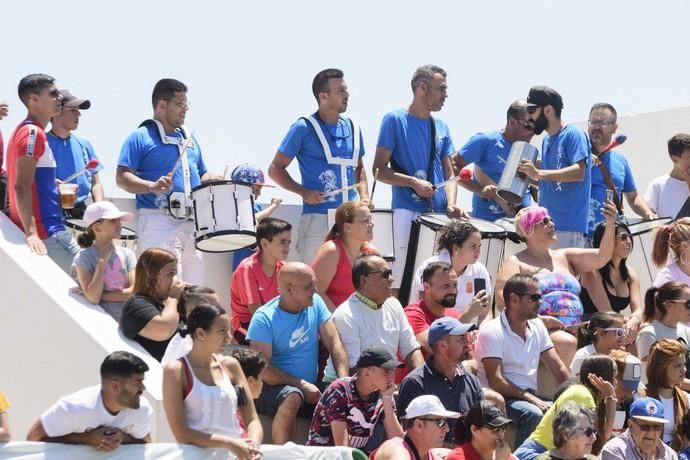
(72, 153)
(354, 411)
(4, 110)
(564, 174)
(489, 153)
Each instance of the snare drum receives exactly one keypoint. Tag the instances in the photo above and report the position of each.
(223, 216)
(643, 239)
(383, 239)
(128, 237)
(423, 239)
(514, 243)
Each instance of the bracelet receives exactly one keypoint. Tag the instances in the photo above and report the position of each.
(612, 398)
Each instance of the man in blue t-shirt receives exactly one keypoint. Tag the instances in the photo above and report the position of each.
(601, 127)
(403, 154)
(489, 152)
(72, 153)
(286, 331)
(329, 150)
(145, 168)
(564, 176)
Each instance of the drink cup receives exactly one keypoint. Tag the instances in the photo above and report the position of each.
(68, 195)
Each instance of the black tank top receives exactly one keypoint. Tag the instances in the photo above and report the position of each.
(617, 303)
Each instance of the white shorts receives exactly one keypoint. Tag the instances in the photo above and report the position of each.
(312, 233)
(570, 240)
(157, 229)
(402, 225)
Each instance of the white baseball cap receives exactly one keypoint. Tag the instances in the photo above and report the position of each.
(104, 210)
(428, 405)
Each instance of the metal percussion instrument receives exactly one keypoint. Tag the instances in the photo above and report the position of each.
(513, 184)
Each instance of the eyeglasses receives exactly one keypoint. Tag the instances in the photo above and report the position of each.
(385, 274)
(600, 123)
(181, 104)
(686, 302)
(650, 427)
(589, 431)
(620, 332)
(440, 422)
(623, 237)
(533, 297)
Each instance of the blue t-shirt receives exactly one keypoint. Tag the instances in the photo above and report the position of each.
(149, 158)
(293, 336)
(72, 155)
(302, 142)
(407, 137)
(567, 202)
(490, 152)
(622, 178)
(684, 454)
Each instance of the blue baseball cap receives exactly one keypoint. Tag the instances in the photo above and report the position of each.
(447, 326)
(248, 174)
(648, 410)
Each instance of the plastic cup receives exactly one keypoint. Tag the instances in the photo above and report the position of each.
(68, 195)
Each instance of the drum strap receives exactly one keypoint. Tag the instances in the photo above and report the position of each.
(609, 182)
(342, 162)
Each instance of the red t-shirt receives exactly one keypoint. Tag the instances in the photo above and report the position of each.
(467, 452)
(420, 318)
(250, 285)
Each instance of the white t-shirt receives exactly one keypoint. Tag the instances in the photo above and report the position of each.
(465, 281)
(84, 410)
(520, 358)
(654, 331)
(671, 272)
(666, 195)
(581, 355)
(670, 415)
(177, 348)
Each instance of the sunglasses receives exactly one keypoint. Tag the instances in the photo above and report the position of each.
(440, 422)
(385, 274)
(620, 332)
(533, 297)
(589, 431)
(532, 109)
(650, 427)
(623, 237)
(686, 302)
(545, 221)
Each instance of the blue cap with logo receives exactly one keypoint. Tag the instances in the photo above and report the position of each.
(647, 410)
(248, 174)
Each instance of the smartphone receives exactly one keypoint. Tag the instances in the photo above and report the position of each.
(609, 194)
(479, 285)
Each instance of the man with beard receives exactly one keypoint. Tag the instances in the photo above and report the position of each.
(443, 374)
(103, 416)
(602, 125)
(31, 186)
(371, 316)
(413, 154)
(489, 152)
(564, 176)
(329, 149)
(4, 111)
(148, 167)
(72, 153)
(508, 351)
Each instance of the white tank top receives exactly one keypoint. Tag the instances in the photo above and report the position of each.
(213, 408)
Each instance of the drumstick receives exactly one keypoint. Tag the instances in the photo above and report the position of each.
(182, 152)
(335, 192)
(92, 164)
(373, 187)
(225, 172)
(446, 182)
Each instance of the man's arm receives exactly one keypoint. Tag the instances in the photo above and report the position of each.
(414, 359)
(97, 192)
(361, 179)
(331, 340)
(498, 382)
(26, 170)
(272, 375)
(96, 438)
(451, 189)
(388, 176)
(559, 371)
(129, 182)
(279, 173)
(639, 205)
(573, 173)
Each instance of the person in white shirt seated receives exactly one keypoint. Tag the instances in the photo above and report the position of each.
(666, 194)
(603, 333)
(103, 416)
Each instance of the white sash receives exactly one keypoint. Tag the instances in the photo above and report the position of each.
(343, 162)
(185, 199)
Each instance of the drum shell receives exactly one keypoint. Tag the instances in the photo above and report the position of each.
(513, 185)
(514, 243)
(223, 216)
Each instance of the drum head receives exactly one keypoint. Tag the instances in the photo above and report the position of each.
(76, 224)
(220, 182)
(640, 227)
(489, 229)
(508, 224)
(225, 241)
(128, 234)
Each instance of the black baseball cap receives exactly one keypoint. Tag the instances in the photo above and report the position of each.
(377, 356)
(543, 95)
(485, 413)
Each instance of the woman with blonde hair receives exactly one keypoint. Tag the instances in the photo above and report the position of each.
(665, 375)
(555, 270)
(672, 238)
(347, 240)
(150, 316)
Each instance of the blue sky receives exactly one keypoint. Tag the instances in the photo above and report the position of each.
(249, 65)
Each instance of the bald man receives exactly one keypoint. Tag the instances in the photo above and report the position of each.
(287, 330)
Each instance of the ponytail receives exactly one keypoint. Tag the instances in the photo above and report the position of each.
(660, 245)
(86, 239)
(649, 307)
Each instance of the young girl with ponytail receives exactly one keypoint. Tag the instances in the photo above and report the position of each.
(603, 333)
